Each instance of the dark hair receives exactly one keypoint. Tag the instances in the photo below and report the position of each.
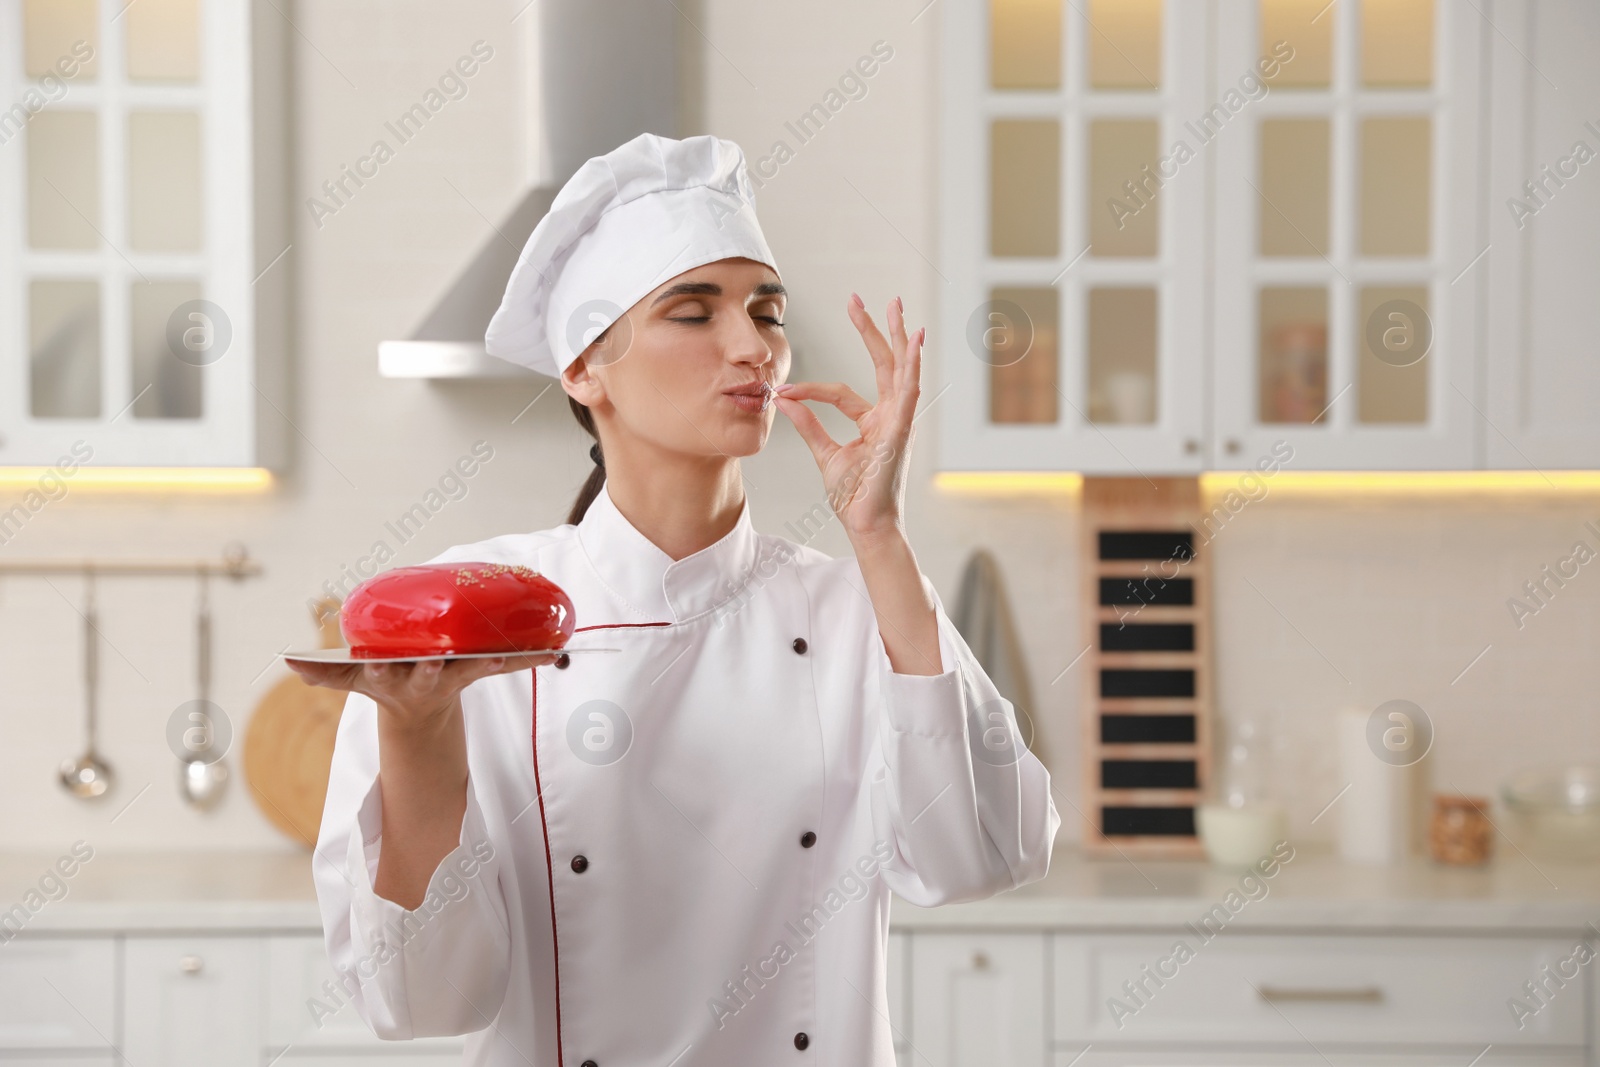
(597, 476)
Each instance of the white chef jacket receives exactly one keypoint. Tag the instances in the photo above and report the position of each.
(682, 853)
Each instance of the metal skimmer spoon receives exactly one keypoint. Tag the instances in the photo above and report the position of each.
(203, 777)
(88, 776)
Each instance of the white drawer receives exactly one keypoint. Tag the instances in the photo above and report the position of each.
(104, 1059)
(1347, 989)
(1074, 1056)
(57, 992)
(365, 1059)
(297, 968)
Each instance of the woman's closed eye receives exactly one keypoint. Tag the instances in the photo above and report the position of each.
(771, 320)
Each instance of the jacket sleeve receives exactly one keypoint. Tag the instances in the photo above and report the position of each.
(440, 969)
(964, 803)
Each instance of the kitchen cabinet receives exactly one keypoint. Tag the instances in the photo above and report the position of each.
(1014, 992)
(1073, 312)
(978, 999)
(192, 1001)
(1303, 1056)
(1347, 206)
(144, 219)
(57, 993)
(1538, 279)
(1260, 999)
(1163, 257)
(1239, 990)
(899, 1007)
(397, 1058)
(208, 999)
(298, 1020)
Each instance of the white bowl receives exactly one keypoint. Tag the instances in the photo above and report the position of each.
(1239, 837)
(1556, 811)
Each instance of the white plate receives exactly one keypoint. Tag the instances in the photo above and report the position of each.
(342, 655)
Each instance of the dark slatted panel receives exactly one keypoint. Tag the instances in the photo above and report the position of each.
(1142, 822)
(1150, 591)
(1147, 683)
(1148, 774)
(1147, 729)
(1147, 637)
(1146, 544)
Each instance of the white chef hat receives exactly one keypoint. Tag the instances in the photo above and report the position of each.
(621, 226)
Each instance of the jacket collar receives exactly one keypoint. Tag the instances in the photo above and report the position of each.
(653, 584)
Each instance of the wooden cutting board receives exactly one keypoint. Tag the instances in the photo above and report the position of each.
(288, 747)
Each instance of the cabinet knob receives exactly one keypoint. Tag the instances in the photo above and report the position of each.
(1231, 446)
(980, 961)
(190, 964)
(1190, 446)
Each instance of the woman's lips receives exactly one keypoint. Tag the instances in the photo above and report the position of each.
(753, 400)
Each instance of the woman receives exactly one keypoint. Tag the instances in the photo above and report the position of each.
(681, 852)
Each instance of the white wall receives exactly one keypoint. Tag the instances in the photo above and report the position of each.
(1378, 600)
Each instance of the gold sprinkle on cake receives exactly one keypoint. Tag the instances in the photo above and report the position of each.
(468, 576)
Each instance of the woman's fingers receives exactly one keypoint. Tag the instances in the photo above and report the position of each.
(328, 675)
(909, 387)
(889, 356)
(897, 330)
(877, 348)
(838, 394)
(510, 663)
(810, 428)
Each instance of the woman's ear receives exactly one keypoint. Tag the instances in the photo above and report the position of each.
(580, 384)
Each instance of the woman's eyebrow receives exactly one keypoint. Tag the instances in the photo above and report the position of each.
(713, 289)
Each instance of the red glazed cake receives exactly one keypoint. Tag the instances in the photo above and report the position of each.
(455, 608)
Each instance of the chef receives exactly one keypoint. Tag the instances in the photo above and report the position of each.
(681, 852)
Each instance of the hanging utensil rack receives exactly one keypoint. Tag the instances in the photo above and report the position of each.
(234, 563)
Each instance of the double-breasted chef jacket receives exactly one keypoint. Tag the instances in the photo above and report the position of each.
(681, 853)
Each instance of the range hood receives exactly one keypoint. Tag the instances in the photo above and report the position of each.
(596, 73)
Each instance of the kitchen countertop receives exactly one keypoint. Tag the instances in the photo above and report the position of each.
(272, 891)
(1315, 890)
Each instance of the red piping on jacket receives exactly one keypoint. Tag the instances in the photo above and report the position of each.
(549, 864)
(618, 626)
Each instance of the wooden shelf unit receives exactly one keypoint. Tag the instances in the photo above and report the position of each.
(1147, 707)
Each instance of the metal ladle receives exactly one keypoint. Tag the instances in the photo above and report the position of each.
(202, 778)
(88, 776)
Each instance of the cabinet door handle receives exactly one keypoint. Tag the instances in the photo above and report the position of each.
(190, 964)
(1353, 995)
(1190, 446)
(980, 961)
(1231, 446)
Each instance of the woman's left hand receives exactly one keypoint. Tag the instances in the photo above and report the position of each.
(865, 478)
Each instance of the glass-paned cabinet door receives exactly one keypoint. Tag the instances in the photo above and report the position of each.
(1346, 239)
(1072, 225)
(126, 246)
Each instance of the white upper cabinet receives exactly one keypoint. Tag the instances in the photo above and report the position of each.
(1073, 245)
(1175, 234)
(1543, 267)
(1347, 237)
(142, 181)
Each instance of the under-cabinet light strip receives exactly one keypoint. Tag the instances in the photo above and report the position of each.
(136, 479)
(1217, 483)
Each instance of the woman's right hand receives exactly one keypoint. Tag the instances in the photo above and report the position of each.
(414, 693)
